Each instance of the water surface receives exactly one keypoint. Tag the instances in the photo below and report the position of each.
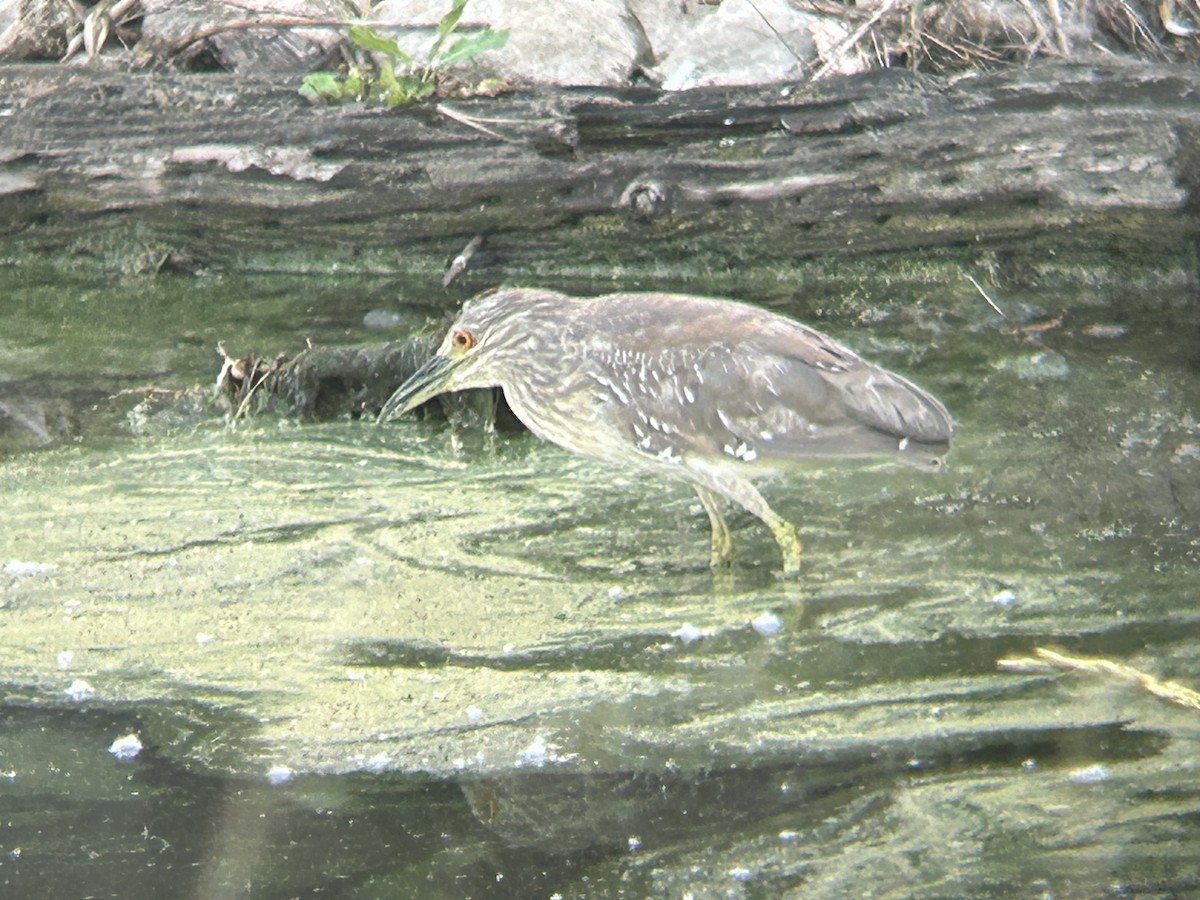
(406, 661)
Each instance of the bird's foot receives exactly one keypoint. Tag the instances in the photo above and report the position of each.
(789, 545)
(721, 558)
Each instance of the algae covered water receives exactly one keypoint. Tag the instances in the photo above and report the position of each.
(407, 661)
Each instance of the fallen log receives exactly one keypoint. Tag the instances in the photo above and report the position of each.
(224, 168)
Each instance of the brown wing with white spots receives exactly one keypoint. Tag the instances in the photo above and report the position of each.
(826, 402)
(676, 377)
(724, 381)
(870, 394)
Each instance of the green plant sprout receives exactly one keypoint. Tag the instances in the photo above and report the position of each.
(399, 79)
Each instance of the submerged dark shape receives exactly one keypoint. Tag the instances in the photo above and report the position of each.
(709, 391)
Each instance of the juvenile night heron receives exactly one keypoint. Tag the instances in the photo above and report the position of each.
(710, 391)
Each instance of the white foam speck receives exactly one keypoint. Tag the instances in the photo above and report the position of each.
(280, 774)
(767, 624)
(125, 748)
(378, 763)
(1090, 774)
(79, 690)
(1005, 598)
(18, 568)
(535, 753)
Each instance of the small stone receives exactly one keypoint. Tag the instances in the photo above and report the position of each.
(1045, 365)
(382, 318)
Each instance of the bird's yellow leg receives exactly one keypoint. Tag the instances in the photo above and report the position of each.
(789, 543)
(742, 492)
(722, 540)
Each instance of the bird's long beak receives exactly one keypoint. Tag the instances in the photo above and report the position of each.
(428, 381)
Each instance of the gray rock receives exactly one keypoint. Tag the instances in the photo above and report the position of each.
(742, 42)
(681, 43)
(666, 22)
(34, 30)
(168, 24)
(571, 44)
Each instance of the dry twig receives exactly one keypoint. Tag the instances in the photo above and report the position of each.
(472, 122)
(460, 263)
(847, 45)
(240, 379)
(1047, 659)
(984, 294)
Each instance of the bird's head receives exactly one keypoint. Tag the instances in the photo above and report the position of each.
(491, 340)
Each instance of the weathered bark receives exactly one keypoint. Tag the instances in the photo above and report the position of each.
(883, 162)
(336, 382)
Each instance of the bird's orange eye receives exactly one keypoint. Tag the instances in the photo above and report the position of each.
(462, 340)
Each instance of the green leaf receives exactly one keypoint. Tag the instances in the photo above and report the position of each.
(355, 83)
(407, 89)
(411, 82)
(450, 19)
(322, 86)
(403, 89)
(448, 23)
(469, 47)
(391, 88)
(387, 75)
(369, 40)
